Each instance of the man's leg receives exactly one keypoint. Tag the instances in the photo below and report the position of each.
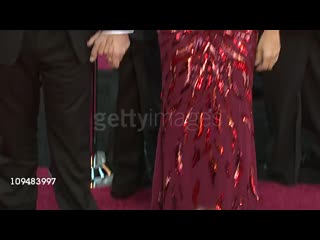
(19, 103)
(282, 98)
(128, 153)
(311, 115)
(67, 96)
(147, 62)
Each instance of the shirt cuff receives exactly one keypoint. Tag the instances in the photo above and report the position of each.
(117, 31)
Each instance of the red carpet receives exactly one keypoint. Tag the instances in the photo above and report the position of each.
(273, 197)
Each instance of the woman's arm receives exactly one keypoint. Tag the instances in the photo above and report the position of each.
(268, 50)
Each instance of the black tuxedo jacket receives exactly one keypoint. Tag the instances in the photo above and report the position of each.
(11, 41)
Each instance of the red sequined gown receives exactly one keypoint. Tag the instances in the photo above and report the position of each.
(206, 152)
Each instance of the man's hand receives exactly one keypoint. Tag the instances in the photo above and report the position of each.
(113, 46)
(98, 42)
(268, 50)
(117, 48)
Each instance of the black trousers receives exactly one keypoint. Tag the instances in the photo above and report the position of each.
(292, 99)
(138, 108)
(46, 58)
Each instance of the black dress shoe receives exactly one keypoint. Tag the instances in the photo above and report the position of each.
(116, 194)
(126, 190)
(309, 175)
(280, 178)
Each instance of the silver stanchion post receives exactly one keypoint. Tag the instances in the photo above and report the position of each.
(101, 175)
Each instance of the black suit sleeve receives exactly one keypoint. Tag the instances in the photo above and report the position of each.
(144, 35)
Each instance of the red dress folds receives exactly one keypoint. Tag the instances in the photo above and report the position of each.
(206, 150)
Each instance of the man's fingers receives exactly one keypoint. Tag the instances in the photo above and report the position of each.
(94, 52)
(116, 62)
(93, 39)
(110, 51)
(101, 47)
(108, 48)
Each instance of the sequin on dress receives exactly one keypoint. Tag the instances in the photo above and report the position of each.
(206, 152)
